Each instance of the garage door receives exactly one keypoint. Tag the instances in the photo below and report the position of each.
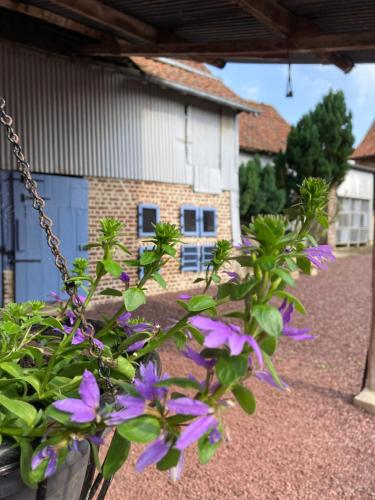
(67, 205)
(353, 221)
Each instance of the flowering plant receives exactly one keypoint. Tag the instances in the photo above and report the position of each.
(62, 382)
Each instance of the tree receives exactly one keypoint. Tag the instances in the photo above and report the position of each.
(259, 193)
(319, 146)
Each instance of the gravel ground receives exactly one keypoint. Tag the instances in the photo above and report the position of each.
(311, 443)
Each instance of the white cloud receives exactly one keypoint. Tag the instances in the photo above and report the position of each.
(251, 92)
(363, 86)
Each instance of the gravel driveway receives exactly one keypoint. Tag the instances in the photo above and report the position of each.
(311, 443)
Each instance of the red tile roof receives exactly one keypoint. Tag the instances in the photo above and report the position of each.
(366, 148)
(201, 80)
(265, 132)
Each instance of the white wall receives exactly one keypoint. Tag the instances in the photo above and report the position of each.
(357, 184)
(244, 157)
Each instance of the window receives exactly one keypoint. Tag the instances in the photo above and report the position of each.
(208, 222)
(190, 258)
(206, 256)
(148, 217)
(189, 220)
(197, 221)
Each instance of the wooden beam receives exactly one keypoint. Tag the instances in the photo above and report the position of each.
(113, 19)
(52, 18)
(326, 44)
(281, 20)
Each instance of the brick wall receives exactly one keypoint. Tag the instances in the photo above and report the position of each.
(120, 199)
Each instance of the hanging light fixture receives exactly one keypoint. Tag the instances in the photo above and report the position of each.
(289, 89)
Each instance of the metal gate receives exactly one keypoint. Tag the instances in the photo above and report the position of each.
(67, 204)
(353, 221)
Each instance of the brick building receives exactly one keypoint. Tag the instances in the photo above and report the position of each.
(147, 140)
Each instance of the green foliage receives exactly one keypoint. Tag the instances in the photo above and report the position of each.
(318, 146)
(259, 193)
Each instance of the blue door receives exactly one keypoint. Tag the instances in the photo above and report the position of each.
(67, 205)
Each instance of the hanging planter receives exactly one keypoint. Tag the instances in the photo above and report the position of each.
(66, 382)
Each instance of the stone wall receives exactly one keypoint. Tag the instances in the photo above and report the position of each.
(120, 199)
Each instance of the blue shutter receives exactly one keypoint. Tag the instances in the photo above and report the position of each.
(190, 258)
(204, 231)
(184, 231)
(206, 255)
(141, 208)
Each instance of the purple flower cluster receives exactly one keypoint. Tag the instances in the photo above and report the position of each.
(320, 256)
(292, 332)
(79, 336)
(131, 327)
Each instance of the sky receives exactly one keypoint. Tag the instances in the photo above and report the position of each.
(267, 83)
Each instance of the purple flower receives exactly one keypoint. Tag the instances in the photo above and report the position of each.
(155, 452)
(196, 430)
(55, 296)
(245, 244)
(47, 453)
(130, 327)
(78, 336)
(131, 407)
(184, 296)
(293, 332)
(134, 406)
(265, 376)
(125, 278)
(219, 333)
(85, 409)
(188, 406)
(198, 358)
(320, 255)
(234, 277)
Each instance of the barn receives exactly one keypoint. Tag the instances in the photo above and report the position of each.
(147, 140)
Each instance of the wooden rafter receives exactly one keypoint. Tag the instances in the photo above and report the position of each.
(113, 19)
(51, 18)
(326, 44)
(281, 20)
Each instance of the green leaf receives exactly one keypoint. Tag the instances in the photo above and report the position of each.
(112, 267)
(225, 290)
(285, 276)
(244, 260)
(125, 367)
(245, 398)
(186, 383)
(200, 303)
(272, 370)
(111, 292)
(267, 263)
(323, 220)
(159, 280)
(290, 263)
(230, 368)
(292, 299)
(234, 314)
(52, 322)
(180, 340)
(269, 344)
(134, 298)
(116, 456)
(20, 409)
(304, 264)
(169, 250)
(170, 460)
(240, 291)
(141, 429)
(269, 319)
(25, 463)
(206, 450)
(148, 257)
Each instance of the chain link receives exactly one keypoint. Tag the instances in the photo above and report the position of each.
(53, 241)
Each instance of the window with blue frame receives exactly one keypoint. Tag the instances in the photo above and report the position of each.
(208, 221)
(148, 217)
(206, 255)
(198, 221)
(190, 258)
(190, 220)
